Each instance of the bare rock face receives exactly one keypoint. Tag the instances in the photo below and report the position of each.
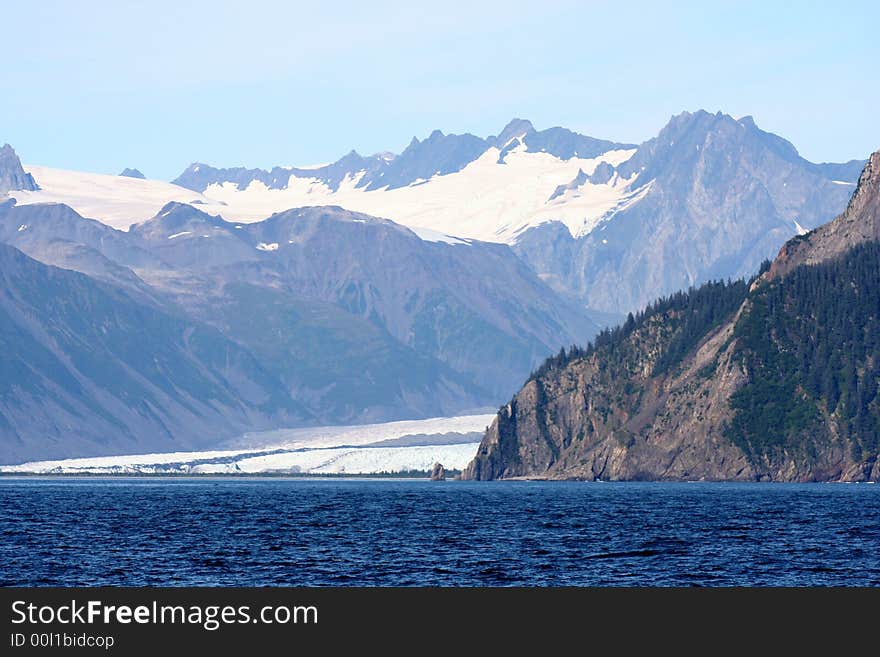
(592, 422)
(438, 472)
(859, 223)
(12, 175)
(624, 410)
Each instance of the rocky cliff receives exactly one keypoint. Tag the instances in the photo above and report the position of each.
(12, 175)
(776, 380)
(859, 223)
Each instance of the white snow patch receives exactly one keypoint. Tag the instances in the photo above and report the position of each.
(262, 246)
(428, 235)
(842, 182)
(181, 234)
(23, 227)
(800, 229)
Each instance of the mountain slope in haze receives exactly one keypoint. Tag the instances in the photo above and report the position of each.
(473, 306)
(776, 380)
(351, 318)
(341, 367)
(88, 370)
(715, 197)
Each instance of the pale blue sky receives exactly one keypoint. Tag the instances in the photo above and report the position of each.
(100, 86)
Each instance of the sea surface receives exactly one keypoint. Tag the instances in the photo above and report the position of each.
(303, 532)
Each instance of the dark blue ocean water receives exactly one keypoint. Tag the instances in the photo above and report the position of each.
(254, 532)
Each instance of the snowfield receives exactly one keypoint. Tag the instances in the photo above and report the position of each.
(117, 201)
(364, 449)
(487, 200)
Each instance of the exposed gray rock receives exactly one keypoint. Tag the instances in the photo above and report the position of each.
(439, 154)
(516, 128)
(132, 173)
(603, 173)
(565, 144)
(438, 472)
(576, 183)
(12, 175)
(720, 196)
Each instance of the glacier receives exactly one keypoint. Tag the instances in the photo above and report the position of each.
(387, 447)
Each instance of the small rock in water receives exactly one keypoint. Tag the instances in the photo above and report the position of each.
(438, 472)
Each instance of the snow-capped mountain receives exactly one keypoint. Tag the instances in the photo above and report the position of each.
(487, 189)
(711, 198)
(610, 224)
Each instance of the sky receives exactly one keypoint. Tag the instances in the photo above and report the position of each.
(99, 86)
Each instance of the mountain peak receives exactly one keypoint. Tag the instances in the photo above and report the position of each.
(515, 128)
(699, 117)
(12, 175)
(175, 213)
(866, 199)
(132, 173)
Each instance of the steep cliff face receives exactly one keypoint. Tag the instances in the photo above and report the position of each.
(611, 413)
(12, 176)
(776, 380)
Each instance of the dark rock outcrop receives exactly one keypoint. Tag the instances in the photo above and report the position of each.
(438, 472)
(132, 173)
